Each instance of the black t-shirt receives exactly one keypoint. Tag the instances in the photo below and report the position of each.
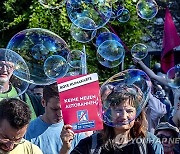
(85, 145)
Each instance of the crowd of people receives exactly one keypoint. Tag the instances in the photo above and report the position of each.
(34, 125)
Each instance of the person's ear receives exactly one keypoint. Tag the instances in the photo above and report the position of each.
(43, 102)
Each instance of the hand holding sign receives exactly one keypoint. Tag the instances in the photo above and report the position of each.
(67, 135)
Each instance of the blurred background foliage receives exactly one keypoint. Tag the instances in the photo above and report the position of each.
(17, 15)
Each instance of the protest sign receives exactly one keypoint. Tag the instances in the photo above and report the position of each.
(80, 102)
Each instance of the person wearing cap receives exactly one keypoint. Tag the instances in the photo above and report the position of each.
(168, 134)
(7, 90)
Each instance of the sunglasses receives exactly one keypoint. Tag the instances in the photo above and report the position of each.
(162, 137)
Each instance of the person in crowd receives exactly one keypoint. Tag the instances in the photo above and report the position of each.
(175, 119)
(15, 116)
(45, 130)
(127, 129)
(168, 134)
(155, 110)
(7, 90)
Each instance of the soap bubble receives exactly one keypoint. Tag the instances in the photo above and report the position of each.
(13, 72)
(173, 76)
(98, 32)
(111, 50)
(55, 67)
(75, 58)
(98, 11)
(139, 51)
(82, 35)
(35, 46)
(123, 15)
(106, 36)
(110, 63)
(147, 9)
(133, 84)
(52, 4)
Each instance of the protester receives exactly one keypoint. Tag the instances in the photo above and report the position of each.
(45, 130)
(8, 90)
(14, 119)
(175, 119)
(154, 112)
(119, 138)
(168, 135)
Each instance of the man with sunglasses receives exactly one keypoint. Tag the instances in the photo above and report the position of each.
(168, 135)
(15, 116)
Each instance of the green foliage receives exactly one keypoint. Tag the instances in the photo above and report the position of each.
(17, 15)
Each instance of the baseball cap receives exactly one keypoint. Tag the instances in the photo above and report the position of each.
(166, 126)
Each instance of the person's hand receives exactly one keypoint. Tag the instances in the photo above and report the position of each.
(137, 61)
(67, 135)
(105, 91)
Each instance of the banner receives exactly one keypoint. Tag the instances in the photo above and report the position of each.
(170, 41)
(80, 102)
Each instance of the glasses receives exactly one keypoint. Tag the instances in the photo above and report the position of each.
(8, 66)
(164, 137)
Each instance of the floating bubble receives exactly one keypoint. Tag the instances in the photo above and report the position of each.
(139, 51)
(35, 46)
(52, 4)
(110, 63)
(56, 67)
(111, 50)
(13, 71)
(75, 58)
(130, 84)
(74, 71)
(117, 8)
(173, 76)
(123, 15)
(82, 35)
(147, 9)
(98, 32)
(98, 11)
(107, 36)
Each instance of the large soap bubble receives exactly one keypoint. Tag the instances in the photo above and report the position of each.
(98, 11)
(82, 35)
(130, 84)
(55, 67)
(35, 46)
(106, 36)
(139, 51)
(52, 4)
(173, 76)
(13, 72)
(147, 9)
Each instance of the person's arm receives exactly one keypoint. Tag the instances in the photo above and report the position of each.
(149, 72)
(158, 109)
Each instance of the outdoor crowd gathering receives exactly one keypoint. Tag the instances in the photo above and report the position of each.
(51, 104)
